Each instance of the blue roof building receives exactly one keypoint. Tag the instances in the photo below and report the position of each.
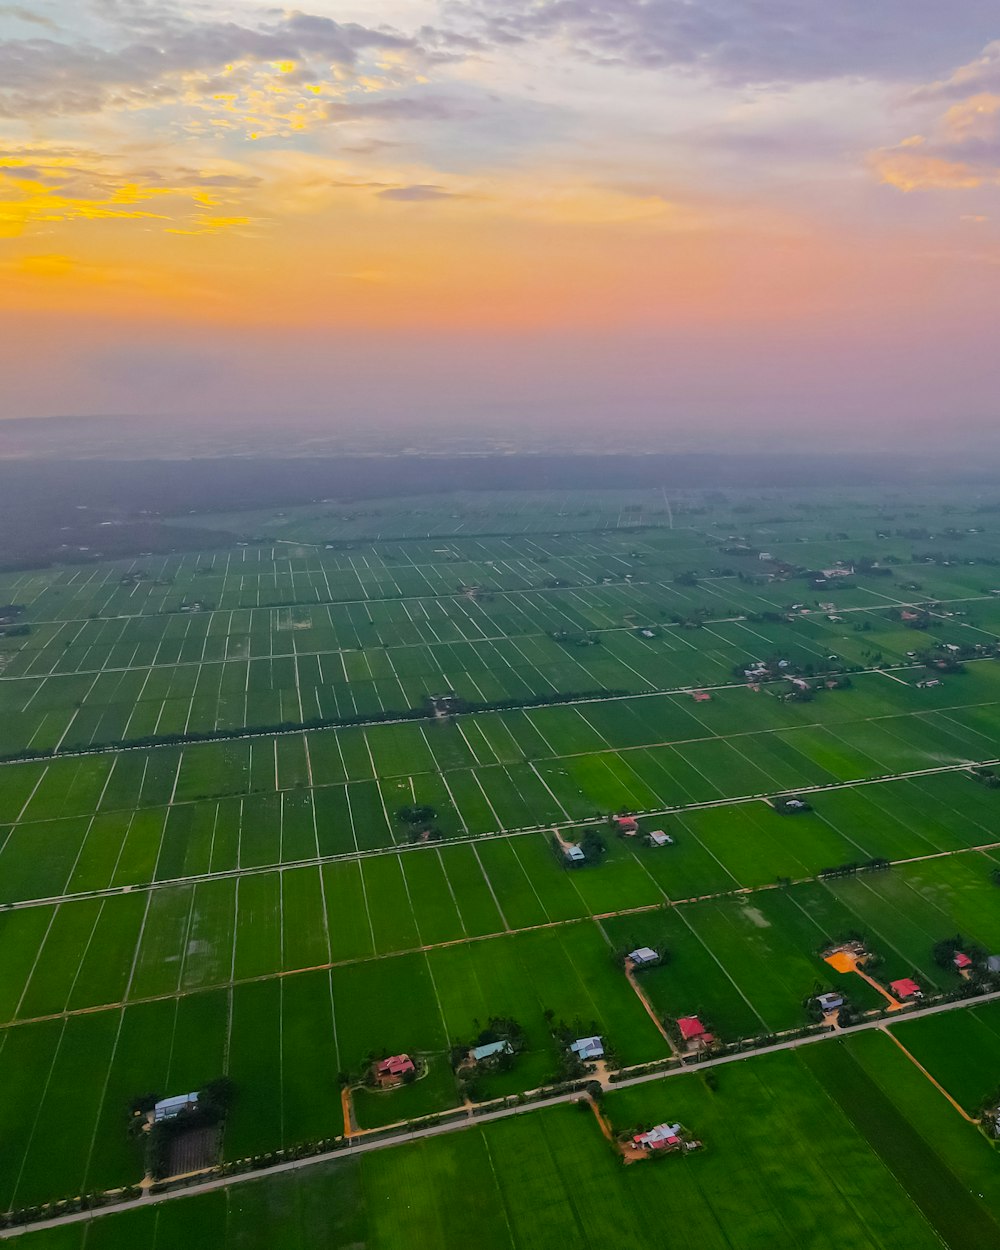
(588, 1048)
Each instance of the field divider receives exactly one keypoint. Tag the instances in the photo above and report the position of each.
(195, 738)
(473, 839)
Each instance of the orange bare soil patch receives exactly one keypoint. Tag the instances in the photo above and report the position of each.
(628, 1152)
(847, 960)
(348, 1109)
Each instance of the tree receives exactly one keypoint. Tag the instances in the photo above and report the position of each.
(593, 846)
(944, 951)
(415, 815)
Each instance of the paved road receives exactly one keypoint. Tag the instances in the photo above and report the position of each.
(436, 1130)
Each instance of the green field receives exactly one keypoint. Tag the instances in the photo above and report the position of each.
(799, 1150)
(259, 906)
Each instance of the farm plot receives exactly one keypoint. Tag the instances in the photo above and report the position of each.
(947, 1167)
(295, 803)
(961, 1050)
(549, 1179)
(285, 1040)
(92, 952)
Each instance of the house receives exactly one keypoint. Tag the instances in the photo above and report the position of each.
(662, 1137)
(905, 987)
(993, 963)
(395, 1067)
(588, 1048)
(692, 1030)
(701, 696)
(647, 633)
(658, 838)
(627, 824)
(170, 1108)
(961, 960)
(488, 1051)
(574, 854)
(795, 804)
(644, 955)
(830, 1002)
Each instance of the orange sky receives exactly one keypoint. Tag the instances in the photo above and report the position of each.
(460, 174)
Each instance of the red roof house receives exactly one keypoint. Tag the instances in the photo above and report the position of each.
(395, 1065)
(701, 696)
(626, 824)
(691, 1028)
(906, 987)
(962, 960)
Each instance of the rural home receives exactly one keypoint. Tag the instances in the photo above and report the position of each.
(961, 960)
(993, 963)
(830, 1002)
(905, 987)
(692, 1030)
(574, 854)
(588, 1048)
(627, 824)
(479, 1053)
(395, 1066)
(701, 696)
(643, 955)
(658, 838)
(662, 1137)
(170, 1108)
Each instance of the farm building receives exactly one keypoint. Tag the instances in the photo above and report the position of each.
(830, 1002)
(574, 854)
(643, 955)
(795, 804)
(692, 1030)
(905, 987)
(701, 696)
(488, 1051)
(658, 838)
(394, 1066)
(961, 960)
(993, 963)
(662, 1137)
(627, 824)
(588, 1048)
(169, 1108)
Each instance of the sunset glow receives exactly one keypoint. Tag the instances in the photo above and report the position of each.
(222, 188)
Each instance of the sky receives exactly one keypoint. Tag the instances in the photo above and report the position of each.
(695, 222)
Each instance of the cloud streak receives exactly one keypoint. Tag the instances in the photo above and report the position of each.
(173, 58)
(745, 41)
